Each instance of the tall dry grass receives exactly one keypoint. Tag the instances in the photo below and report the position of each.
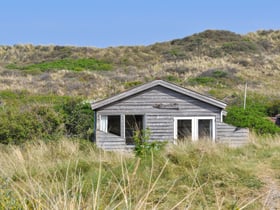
(75, 175)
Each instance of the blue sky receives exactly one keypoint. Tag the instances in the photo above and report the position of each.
(107, 23)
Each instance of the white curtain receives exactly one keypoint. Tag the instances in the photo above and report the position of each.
(104, 123)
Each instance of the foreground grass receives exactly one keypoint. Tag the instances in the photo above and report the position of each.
(75, 175)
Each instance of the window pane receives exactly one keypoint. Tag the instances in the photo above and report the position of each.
(204, 129)
(132, 123)
(184, 129)
(114, 125)
(111, 124)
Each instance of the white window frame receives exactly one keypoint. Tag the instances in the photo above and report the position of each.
(103, 122)
(195, 128)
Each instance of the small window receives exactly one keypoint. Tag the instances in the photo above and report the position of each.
(204, 128)
(111, 124)
(133, 123)
(184, 130)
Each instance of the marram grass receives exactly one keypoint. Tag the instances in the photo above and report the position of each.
(75, 175)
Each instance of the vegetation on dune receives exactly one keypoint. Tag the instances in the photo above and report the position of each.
(212, 43)
(66, 64)
(77, 175)
(256, 115)
(26, 117)
(254, 57)
(253, 119)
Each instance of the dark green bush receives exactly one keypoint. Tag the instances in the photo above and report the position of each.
(17, 126)
(50, 121)
(25, 117)
(78, 118)
(273, 108)
(251, 118)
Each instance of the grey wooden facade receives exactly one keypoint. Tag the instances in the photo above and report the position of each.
(163, 108)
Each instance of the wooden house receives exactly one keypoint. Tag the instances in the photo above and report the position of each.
(170, 112)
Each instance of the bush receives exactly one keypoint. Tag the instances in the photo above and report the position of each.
(50, 121)
(78, 118)
(239, 46)
(17, 126)
(143, 147)
(25, 116)
(251, 118)
(273, 108)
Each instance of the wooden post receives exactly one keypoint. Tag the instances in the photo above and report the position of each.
(245, 95)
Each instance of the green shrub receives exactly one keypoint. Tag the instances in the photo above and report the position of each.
(78, 118)
(69, 64)
(273, 107)
(202, 80)
(50, 121)
(143, 147)
(251, 118)
(17, 126)
(26, 116)
(239, 46)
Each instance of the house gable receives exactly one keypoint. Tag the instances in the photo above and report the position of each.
(161, 83)
(158, 100)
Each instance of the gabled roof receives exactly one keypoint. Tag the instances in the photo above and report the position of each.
(162, 83)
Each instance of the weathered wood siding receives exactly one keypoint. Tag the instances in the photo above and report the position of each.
(232, 135)
(108, 141)
(160, 121)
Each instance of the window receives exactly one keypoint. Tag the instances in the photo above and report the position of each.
(204, 128)
(111, 124)
(194, 128)
(184, 129)
(133, 123)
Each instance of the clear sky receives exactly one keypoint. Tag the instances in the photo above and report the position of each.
(104, 23)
